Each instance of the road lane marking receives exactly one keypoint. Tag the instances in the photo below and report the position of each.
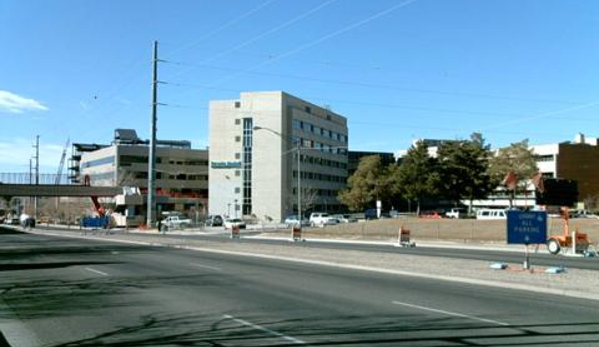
(263, 329)
(206, 266)
(455, 314)
(580, 294)
(97, 271)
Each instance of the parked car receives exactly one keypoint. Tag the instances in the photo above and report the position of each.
(293, 220)
(321, 219)
(430, 215)
(11, 220)
(456, 213)
(582, 214)
(176, 222)
(214, 221)
(489, 214)
(342, 218)
(229, 223)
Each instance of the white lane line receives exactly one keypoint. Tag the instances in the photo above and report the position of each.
(450, 313)
(261, 328)
(97, 271)
(205, 266)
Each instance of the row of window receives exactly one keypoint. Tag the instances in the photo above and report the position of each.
(127, 160)
(306, 175)
(179, 177)
(311, 128)
(321, 161)
(323, 147)
(542, 158)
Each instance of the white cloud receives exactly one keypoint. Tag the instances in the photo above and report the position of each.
(13, 103)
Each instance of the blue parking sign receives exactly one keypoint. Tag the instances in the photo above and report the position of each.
(526, 227)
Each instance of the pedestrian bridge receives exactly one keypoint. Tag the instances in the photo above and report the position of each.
(57, 190)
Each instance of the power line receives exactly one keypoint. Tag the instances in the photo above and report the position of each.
(324, 38)
(223, 27)
(544, 115)
(372, 104)
(375, 85)
(264, 34)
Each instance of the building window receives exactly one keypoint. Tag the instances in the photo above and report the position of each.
(237, 155)
(308, 109)
(297, 125)
(246, 165)
(237, 173)
(237, 104)
(237, 190)
(237, 121)
(237, 138)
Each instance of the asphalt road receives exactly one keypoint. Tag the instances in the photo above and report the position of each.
(66, 292)
(537, 259)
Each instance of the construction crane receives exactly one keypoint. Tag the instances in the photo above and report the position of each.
(62, 159)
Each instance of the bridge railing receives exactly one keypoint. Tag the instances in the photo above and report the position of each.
(26, 178)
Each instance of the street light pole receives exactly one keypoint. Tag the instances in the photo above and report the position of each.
(299, 185)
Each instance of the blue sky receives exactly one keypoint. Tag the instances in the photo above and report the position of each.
(399, 70)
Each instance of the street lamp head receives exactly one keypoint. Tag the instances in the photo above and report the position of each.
(255, 127)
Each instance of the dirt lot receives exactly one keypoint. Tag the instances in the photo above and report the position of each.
(462, 230)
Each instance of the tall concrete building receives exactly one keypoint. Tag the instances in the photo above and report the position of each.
(254, 145)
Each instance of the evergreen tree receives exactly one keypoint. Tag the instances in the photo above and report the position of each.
(464, 169)
(517, 158)
(416, 178)
(368, 183)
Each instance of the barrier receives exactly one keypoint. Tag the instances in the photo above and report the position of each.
(296, 233)
(95, 222)
(235, 232)
(403, 238)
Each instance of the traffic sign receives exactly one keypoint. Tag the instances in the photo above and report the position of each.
(526, 227)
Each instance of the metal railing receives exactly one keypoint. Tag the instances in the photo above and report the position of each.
(27, 178)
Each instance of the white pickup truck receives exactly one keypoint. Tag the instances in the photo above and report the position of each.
(175, 222)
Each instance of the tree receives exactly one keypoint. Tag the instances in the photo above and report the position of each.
(464, 169)
(416, 178)
(366, 184)
(517, 158)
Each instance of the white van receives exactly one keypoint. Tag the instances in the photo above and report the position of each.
(489, 213)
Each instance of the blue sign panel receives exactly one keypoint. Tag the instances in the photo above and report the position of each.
(524, 227)
(225, 165)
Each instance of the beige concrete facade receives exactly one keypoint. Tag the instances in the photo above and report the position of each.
(253, 155)
(181, 173)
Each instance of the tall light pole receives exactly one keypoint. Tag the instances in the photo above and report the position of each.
(152, 150)
(37, 174)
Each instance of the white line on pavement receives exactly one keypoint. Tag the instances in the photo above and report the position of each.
(206, 266)
(96, 271)
(450, 313)
(261, 328)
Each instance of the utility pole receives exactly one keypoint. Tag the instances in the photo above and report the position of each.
(37, 173)
(152, 150)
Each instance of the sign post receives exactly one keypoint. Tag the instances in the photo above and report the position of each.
(296, 232)
(235, 232)
(526, 227)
